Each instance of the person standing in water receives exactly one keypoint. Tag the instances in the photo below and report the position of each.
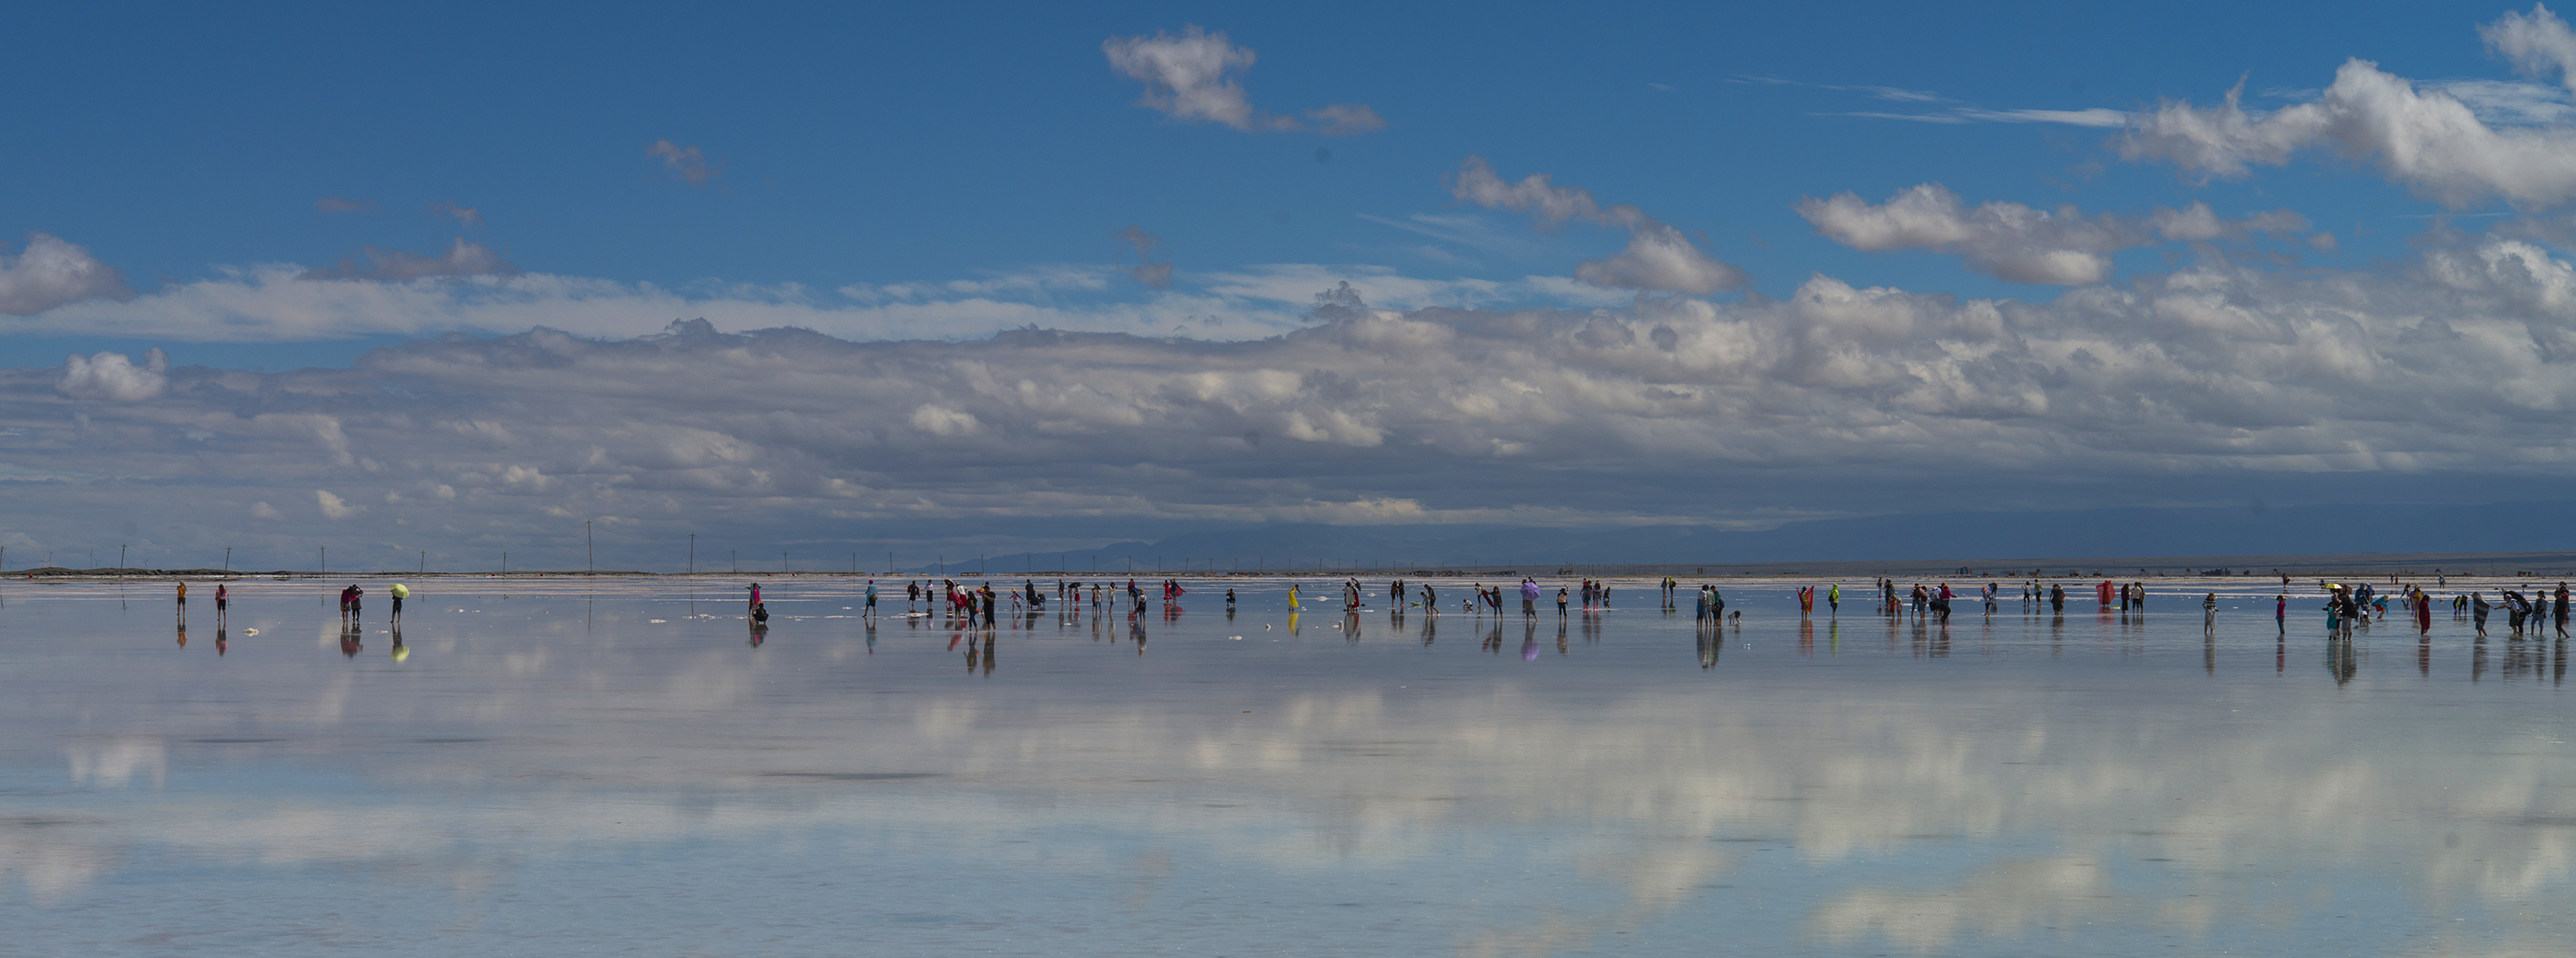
(1560, 602)
(221, 598)
(2209, 614)
(2281, 612)
(183, 593)
(872, 598)
(399, 592)
(1834, 600)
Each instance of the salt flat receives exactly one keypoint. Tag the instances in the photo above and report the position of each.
(546, 768)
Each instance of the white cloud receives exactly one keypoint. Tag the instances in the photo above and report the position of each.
(333, 507)
(1658, 257)
(944, 421)
(2460, 143)
(686, 162)
(2450, 365)
(285, 302)
(464, 258)
(2536, 43)
(1194, 76)
(51, 272)
(2016, 242)
(2094, 116)
(262, 510)
(113, 377)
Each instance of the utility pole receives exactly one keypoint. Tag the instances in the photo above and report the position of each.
(120, 557)
(505, 562)
(326, 561)
(424, 562)
(693, 553)
(591, 555)
(737, 560)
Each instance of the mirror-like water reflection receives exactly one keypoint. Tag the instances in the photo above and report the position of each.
(542, 766)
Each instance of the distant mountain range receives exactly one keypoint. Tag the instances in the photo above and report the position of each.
(1907, 540)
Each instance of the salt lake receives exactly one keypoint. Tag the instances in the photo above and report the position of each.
(553, 766)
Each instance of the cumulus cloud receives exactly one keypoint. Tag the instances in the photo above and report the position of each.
(2021, 243)
(1195, 76)
(686, 162)
(2453, 364)
(1658, 257)
(338, 204)
(333, 507)
(1148, 270)
(464, 258)
(2536, 43)
(51, 272)
(113, 377)
(2435, 140)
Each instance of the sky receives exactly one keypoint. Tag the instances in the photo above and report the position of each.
(1006, 278)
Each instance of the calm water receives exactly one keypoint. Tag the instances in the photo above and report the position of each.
(543, 768)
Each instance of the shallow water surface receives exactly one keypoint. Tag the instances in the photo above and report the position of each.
(543, 767)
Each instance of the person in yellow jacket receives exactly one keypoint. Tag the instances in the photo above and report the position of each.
(1834, 600)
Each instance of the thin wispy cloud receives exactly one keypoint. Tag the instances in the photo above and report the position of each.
(1958, 114)
(688, 163)
(467, 215)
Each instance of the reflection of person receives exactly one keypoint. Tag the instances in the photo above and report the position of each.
(400, 651)
(350, 641)
(220, 644)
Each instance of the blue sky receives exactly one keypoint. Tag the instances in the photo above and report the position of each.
(284, 187)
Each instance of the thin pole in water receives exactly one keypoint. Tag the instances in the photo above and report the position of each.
(590, 556)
